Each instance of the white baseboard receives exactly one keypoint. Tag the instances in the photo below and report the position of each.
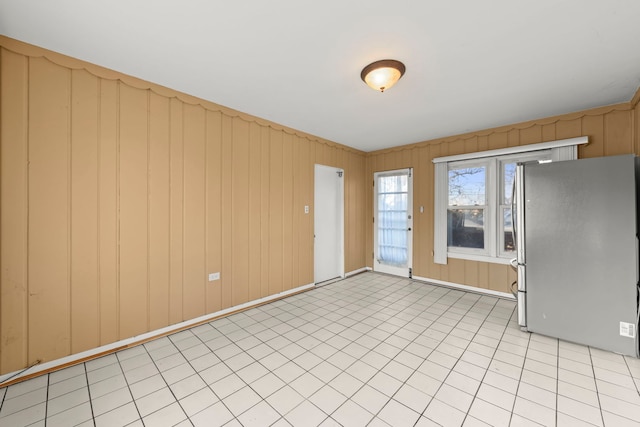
(505, 295)
(358, 271)
(128, 342)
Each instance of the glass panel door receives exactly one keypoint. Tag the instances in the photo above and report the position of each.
(392, 222)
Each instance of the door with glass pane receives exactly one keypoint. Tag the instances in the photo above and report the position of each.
(392, 222)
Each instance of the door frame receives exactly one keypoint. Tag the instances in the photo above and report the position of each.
(339, 251)
(403, 271)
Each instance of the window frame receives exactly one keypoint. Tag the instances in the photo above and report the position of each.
(487, 207)
(554, 150)
(501, 161)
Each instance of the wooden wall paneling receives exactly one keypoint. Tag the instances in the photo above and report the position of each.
(340, 158)
(498, 278)
(331, 155)
(213, 208)
(420, 223)
(85, 307)
(354, 206)
(49, 210)
(483, 275)
(568, 128)
(159, 176)
(512, 276)
(549, 132)
(363, 190)
(455, 147)
(305, 234)
(226, 272)
(428, 216)
(265, 210)
(400, 160)
(514, 137)
(195, 274)
(350, 201)
(134, 239)
(471, 145)
(159, 208)
(240, 211)
(255, 202)
(297, 210)
(618, 135)
(368, 209)
(108, 211)
(471, 273)
(456, 270)
(408, 157)
(176, 214)
(391, 161)
(287, 211)
(593, 127)
(434, 270)
(319, 154)
(14, 146)
(276, 191)
(531, 135)
(483, 142)
(350, 178)
(497, 140)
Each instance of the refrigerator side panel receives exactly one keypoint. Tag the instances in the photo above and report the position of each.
(581, 251)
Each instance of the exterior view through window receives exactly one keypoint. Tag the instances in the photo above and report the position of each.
(393, 217)
(479, 196)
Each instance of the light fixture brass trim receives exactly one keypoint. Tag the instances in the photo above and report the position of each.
(381, 75)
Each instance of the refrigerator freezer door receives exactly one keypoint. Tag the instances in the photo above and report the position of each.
(581, 256)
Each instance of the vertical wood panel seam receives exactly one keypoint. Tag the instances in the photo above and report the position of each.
(98, 206)
(205, 207)
(69, 211)
(231, 205)
(148, 328)
(182, 284)
(169, 251)
(219, 204)
(118, 84)
(268, 207)
(25, 299)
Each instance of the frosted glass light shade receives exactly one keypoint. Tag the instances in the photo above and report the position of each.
(381, 75)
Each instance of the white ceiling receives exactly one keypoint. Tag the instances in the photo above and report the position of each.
(471, 64)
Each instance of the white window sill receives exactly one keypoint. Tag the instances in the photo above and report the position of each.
(481, 258)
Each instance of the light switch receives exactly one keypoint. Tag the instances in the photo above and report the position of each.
(214, 276)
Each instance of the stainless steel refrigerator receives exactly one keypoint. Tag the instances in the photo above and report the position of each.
(576, 232)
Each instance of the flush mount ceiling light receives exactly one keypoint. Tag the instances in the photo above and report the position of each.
(383, 74)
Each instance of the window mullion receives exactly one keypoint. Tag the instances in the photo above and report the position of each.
(491, 206)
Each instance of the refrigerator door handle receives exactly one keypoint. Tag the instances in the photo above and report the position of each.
(513, 217)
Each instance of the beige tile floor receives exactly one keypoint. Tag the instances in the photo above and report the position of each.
(370, 350)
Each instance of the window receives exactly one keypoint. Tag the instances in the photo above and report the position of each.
(467, 206)
(473, 200)
(479, 204)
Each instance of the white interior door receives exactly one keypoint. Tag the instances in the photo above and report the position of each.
(392, 222)
(328, 223)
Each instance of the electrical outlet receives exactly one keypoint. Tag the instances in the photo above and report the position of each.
(214, 276)
(306, 209)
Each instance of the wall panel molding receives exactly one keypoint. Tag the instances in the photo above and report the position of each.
(31, 51)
